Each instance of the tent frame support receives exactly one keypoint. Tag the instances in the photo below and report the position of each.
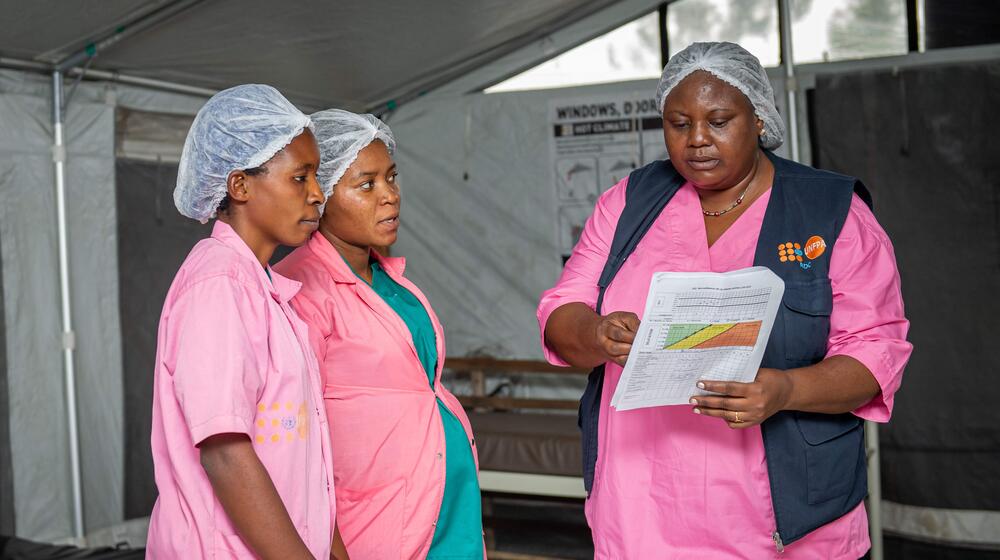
(871, 428)
(107, 76)
(68, 335)
(83, 56)
(791, 84)
(141, 24)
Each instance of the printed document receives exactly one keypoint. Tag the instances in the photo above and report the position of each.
(698, 326)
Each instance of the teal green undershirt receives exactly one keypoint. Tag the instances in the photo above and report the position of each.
(459, 530)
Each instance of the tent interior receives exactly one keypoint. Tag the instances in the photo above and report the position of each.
(490, 214)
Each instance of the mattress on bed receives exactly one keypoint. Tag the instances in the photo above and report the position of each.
(528, 442)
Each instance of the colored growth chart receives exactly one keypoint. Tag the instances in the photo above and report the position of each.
(684, 336)
(698, 326)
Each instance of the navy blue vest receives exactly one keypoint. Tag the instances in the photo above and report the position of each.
(816, 462)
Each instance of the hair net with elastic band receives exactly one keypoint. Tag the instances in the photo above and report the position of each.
(734, 65)
(239, 128)
(341, 135)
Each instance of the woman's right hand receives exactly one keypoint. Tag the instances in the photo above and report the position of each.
(585, 339)
(615, 333)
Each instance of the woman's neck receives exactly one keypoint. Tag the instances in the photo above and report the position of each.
(261, 248)
(753, 184)
(358, 258)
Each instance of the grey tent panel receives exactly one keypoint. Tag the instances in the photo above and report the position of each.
(153, 240)
(922, 140)
(6, 466)
(47, 30)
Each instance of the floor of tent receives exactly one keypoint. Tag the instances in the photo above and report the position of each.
(556, 530)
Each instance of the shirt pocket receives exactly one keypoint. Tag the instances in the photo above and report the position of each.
(805, 317)
(226, 542)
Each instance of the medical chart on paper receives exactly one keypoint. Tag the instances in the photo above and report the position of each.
(698, 326)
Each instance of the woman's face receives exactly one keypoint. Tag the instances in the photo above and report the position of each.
(363, 209)
(710, 131)
(285, 198)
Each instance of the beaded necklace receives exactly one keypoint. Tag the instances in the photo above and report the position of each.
(734, 205)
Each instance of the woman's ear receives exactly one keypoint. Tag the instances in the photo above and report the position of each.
(760, 127)
(236, 186)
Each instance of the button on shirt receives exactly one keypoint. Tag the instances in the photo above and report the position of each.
(458, 531)
(233, 357)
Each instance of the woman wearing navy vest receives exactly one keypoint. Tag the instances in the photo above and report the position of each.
(752, 470)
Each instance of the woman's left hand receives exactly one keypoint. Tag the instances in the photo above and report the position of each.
(743, 405)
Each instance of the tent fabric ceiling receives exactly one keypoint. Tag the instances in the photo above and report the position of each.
(49, 30)
(319, 52)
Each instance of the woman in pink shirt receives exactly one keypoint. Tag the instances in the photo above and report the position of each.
(404, 456)
(772, 468)
(240, 444)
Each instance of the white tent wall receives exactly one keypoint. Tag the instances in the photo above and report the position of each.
(477, 224)
(38, 432)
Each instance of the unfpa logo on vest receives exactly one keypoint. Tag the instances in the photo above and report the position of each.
(794, 252)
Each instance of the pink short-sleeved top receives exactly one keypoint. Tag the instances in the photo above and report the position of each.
(233, 357)
(673, 484)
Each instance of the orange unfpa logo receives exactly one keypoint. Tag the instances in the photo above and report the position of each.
(815, 247)
(790, 252)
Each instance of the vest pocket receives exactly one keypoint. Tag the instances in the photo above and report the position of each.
(805, 316)
(835, 442)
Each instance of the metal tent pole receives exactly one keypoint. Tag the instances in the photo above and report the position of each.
(68, 336)
(874, 489)
(59, 158)
(117, 77)
(791, 85)
(871, 428)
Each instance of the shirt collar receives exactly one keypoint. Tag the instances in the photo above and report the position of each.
(281, 289)
(340, 271)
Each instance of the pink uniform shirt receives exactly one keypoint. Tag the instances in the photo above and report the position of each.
(389, 446)
(233, 357)
(673, 484)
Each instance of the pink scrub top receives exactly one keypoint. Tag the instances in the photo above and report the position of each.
(232, 357)
(389, 453)
(673, 484)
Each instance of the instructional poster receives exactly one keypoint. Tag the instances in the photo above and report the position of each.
(596, 142)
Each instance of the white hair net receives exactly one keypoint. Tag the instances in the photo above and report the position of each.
(239, 128)
(341, 135)
(734, 65)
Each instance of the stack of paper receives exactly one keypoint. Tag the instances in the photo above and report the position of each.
(698, 326)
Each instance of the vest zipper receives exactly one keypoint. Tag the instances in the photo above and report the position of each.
(776, 536)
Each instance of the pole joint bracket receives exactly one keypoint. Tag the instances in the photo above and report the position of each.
(59, 153)
(69, 340)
